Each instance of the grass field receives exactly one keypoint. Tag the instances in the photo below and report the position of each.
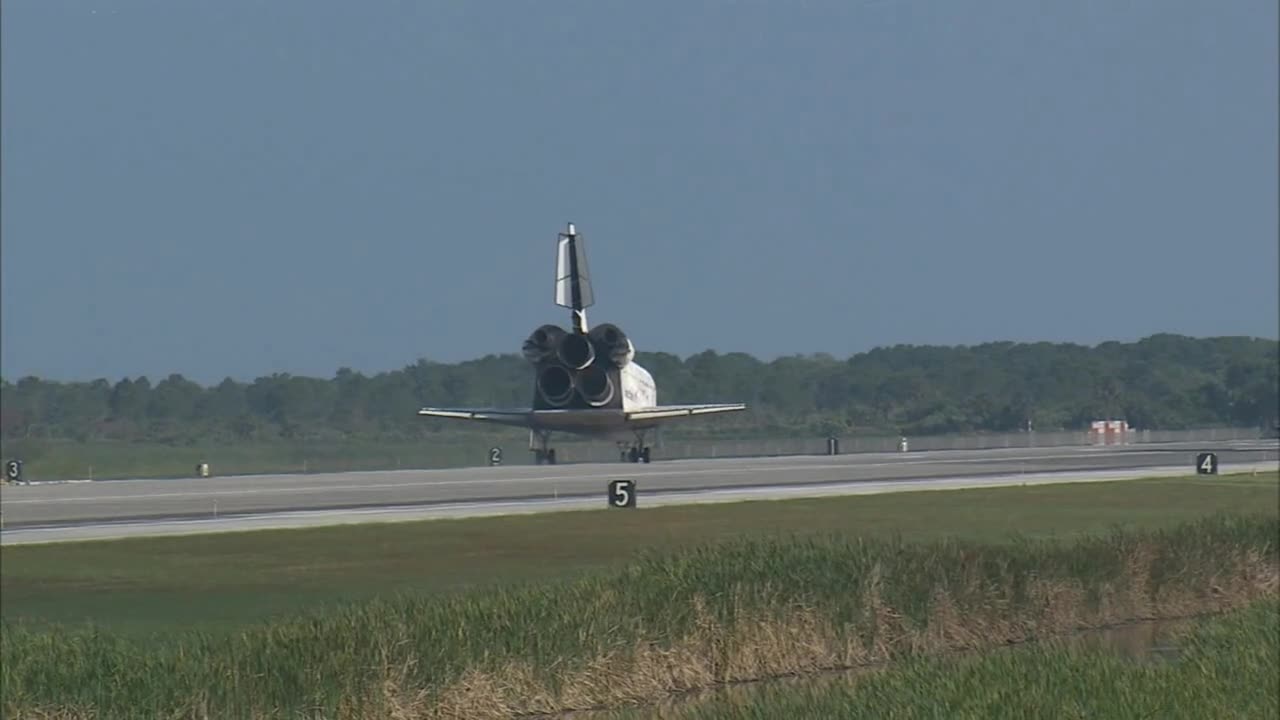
(702, 615)
(222, 581)
(1226, 667)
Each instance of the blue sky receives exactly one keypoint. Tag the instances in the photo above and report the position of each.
(239, 188)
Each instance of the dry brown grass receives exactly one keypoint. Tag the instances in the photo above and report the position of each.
(802, 640)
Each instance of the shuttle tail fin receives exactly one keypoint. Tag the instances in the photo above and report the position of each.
(573, 280)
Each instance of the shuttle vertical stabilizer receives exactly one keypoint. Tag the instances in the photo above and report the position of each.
(573, 281)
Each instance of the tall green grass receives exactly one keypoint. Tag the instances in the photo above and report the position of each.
(1227, 667)
(714, 613)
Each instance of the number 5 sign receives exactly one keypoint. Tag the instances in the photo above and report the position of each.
(622, 493)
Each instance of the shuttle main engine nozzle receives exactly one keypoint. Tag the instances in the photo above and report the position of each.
(576, 351)
(596, 386)
(555, 384)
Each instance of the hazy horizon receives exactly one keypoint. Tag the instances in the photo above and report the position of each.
(235, 190)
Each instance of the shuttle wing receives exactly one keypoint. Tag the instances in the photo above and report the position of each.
(500, 416)
(665, 412)
(583, 420)
(578, 420)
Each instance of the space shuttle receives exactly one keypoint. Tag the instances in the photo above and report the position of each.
(586, 381)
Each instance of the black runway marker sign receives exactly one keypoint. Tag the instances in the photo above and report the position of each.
(622, 493)
(1207, 464)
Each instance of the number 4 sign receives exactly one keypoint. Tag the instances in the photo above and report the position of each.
(1206, 464)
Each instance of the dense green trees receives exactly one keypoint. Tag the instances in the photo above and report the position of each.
(1161, 382)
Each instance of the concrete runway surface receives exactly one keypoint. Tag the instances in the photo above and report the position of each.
(119, 508)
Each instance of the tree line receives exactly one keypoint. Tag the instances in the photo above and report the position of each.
(1160, 382)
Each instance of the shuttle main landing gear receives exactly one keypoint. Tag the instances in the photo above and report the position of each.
(639, 452)
(538, 441)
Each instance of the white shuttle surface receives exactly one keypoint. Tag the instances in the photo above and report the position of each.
(586, 381)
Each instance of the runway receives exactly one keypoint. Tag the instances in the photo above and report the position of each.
(117, 508)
